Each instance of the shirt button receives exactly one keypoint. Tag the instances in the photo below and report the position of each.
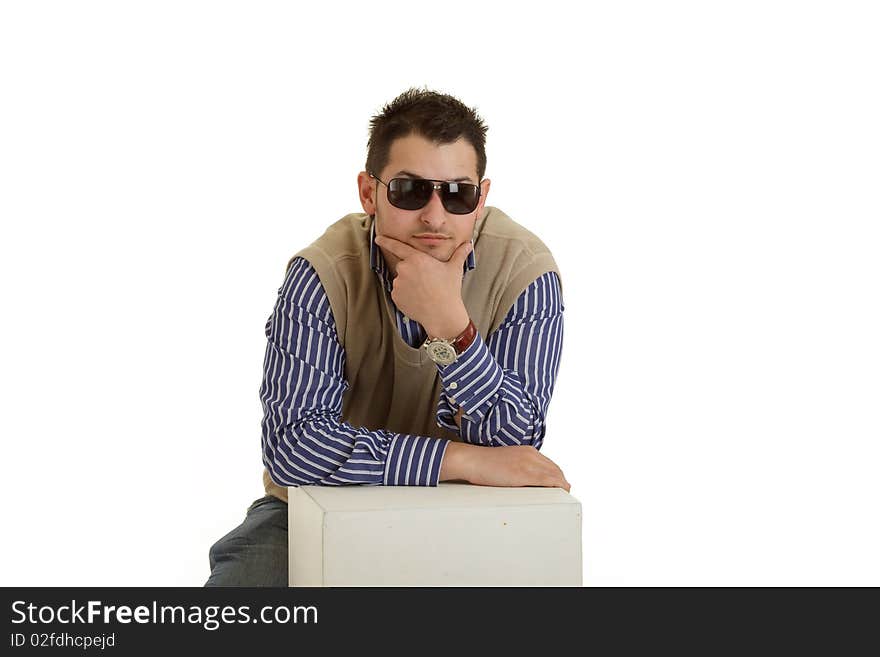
(453, 385)
(452, 400)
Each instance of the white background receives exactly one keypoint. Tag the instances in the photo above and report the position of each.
(705, 173)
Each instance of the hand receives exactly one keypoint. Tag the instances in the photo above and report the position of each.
(429, 290)
(518, 465)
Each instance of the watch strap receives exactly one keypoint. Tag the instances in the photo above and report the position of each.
(466, 338)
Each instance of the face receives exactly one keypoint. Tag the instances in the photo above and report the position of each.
(431, 229)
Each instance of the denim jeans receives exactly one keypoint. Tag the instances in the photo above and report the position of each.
(255, 552)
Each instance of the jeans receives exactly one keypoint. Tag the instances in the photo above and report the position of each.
(255, 552)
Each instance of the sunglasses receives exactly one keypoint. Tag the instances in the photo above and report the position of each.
(414, 194)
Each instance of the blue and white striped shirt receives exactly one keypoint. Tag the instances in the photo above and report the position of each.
(503, 387)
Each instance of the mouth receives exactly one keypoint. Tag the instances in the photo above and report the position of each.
(430, 238)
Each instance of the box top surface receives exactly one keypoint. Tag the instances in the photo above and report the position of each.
(445, 495)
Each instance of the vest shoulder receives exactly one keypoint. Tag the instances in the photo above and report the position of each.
(347, 237)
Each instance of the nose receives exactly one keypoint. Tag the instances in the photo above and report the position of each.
(433, 214)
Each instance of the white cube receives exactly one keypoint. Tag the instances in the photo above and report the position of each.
(451, 535)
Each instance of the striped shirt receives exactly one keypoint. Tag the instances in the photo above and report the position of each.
(503, 386)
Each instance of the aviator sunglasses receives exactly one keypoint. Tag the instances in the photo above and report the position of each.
(414, 194)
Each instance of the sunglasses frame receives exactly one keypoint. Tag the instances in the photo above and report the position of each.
(439, 186)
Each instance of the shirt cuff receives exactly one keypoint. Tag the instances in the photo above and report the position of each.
(414, 460)
(473, 379)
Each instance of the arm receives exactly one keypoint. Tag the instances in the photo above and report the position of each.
(429, 291)
(497, 393)
(304, 439)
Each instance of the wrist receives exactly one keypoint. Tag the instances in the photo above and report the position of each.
(450, 326)
(457, 460)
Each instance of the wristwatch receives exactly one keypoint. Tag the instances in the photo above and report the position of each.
(446, 352)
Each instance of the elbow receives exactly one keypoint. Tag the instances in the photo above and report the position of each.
(279, 459)
(271, 479)
(286, 473)
(535, 437)
(521, 426)
(299, 456)
(280, 474)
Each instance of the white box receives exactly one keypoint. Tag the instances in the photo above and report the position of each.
(451, 535)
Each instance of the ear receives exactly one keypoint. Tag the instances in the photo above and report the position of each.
(484, 192)
(367, 192)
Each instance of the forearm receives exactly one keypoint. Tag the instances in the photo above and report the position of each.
(490, 405)
(304, 439)
(497, 392)
(324, 451)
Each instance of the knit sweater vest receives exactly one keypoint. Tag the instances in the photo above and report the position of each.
(393, 386)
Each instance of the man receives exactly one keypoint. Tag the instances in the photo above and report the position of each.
(377, 371)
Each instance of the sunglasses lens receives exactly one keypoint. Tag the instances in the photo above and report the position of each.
(414, 194)
(409, 193)
(460, 198)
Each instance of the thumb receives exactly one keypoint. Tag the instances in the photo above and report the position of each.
(461, 253)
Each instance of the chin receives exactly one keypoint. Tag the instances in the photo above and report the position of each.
(436, 251)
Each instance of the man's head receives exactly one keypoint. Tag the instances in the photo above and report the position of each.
(432, 136)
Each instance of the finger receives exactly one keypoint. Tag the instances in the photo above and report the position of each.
(559, 482)
(460, 254)
(396, 247)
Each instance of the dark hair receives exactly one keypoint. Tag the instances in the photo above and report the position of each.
(438, 117)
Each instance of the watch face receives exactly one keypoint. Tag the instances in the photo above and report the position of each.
(441, 352)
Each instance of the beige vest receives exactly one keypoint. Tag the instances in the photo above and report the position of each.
(391, 385)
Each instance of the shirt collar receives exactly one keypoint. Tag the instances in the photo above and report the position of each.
(378, 264)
